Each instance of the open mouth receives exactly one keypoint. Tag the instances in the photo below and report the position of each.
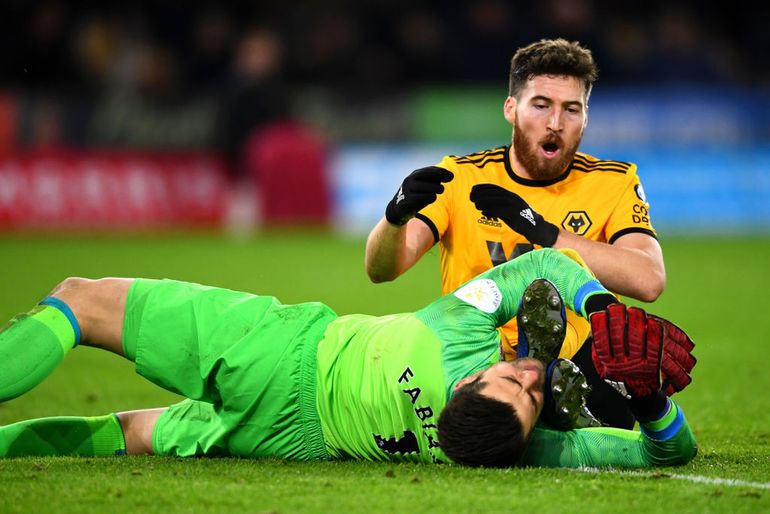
(550, 149)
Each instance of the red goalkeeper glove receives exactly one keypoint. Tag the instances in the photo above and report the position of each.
(628, 349)
(678, 359)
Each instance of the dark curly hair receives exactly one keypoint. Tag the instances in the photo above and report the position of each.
(552, 57)
(475, 430)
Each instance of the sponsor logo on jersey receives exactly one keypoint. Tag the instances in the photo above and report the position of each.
(482, 294)
(400, 195)
(641, 214)
(576, 222)
(527, 214)
(639, 190)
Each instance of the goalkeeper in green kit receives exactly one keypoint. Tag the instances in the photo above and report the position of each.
(300, 382)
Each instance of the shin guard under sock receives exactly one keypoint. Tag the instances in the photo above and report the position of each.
(65, 435)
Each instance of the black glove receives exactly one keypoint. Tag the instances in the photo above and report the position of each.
(495, 202)
(417, 190)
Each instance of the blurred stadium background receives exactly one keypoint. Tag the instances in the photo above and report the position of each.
(146, 115)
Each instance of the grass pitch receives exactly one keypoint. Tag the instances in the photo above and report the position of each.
(715, 291)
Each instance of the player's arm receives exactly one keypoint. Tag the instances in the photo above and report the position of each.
(631, 266)
(398, 241)
(575, 283)
(392, 249)
(667, 441)
(473, 311)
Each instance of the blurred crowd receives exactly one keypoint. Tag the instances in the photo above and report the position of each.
(270, 87)
(182, 74)
(166, 47)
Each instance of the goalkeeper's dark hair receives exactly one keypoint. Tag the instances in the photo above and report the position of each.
(552, 57)
(475, 430)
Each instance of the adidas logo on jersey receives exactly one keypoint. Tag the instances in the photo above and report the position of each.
(492, 222)
(400, 195)
(527, 213)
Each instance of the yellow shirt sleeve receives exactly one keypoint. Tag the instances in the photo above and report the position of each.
(632, 213)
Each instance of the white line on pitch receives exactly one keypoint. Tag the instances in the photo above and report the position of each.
(729, 482)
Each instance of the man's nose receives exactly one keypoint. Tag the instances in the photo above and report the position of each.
(555, 120)
(528, 378)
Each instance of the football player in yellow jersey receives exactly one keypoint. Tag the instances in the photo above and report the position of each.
(491, 206)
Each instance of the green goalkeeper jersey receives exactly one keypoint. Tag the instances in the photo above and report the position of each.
(383, 381)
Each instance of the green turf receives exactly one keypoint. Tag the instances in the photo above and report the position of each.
(715, 291)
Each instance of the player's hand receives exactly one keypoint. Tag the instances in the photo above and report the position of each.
(496, 202)
(417, 191)
(628, 349)
(678, 359)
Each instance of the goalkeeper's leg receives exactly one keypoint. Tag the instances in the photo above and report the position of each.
(603, 401)
(77, 311)
(113, 434)
(542, 322)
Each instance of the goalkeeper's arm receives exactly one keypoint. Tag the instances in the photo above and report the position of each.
(575, 283)
(667, 441)
(496, 293)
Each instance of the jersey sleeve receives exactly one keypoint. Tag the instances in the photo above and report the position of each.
(466, 320)
(574, 282)
(495, 294)
(437, 214)
(667, 442)
(632, 213)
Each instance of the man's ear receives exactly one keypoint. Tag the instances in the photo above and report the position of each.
(509, 110)
(466, 380)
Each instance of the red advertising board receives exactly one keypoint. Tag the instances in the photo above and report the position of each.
(77, 190)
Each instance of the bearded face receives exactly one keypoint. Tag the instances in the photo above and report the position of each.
(545, 158)
(548, 118)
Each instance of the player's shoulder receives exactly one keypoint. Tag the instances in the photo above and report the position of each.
(586, 163)
(484, 159)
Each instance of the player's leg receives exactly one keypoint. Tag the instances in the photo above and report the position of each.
(138, 426)
(95, 436)
(77, 311)
(541, 321)
(542, 327)
(603, 401)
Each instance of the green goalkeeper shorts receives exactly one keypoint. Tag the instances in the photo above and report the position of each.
(246, 363)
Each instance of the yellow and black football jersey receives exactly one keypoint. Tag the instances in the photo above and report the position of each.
(597, 199)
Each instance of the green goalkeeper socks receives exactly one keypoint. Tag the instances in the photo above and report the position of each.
(33, 344)
(88, 437)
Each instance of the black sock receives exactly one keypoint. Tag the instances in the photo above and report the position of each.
(649, 408)
(599, 302)
(603, 401)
